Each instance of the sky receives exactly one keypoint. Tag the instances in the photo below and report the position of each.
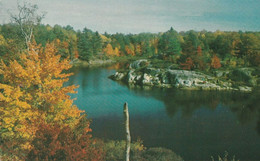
(136, 16)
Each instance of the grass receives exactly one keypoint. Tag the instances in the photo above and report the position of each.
(224, 158)
(115, 152)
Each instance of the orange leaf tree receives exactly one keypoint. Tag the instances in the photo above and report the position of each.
(215, 62)
(188, 65)
(109, 50)
(32, 91)
(130, 49)
(53, 142)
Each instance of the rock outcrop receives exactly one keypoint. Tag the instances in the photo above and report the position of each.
(141, 73)
(139, 64)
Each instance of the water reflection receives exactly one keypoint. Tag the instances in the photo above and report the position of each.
(194, 124)
(118, 66)
(244, 105)
(203, 122)
(258, 127)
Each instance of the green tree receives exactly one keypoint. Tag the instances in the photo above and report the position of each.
(85, 46)
(249, 44)
(169, 43)
(14, 39)
(59, 33)
(191, 43)
(44, 34)
(222, 45)
(96, 43)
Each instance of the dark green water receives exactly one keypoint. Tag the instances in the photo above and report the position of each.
(194, 124)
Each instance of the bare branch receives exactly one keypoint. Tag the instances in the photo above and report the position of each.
(27, 18)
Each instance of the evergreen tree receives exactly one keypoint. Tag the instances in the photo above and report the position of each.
(169, 43)
(191, 43)
(222, 45)
(85, 46)
(147, 49)
(96, 43)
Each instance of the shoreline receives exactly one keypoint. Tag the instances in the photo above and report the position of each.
(143, 73)
(92, 63)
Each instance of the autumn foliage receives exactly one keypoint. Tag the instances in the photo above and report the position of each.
(188, 65)
(54, 142)
(33, 98)
(215, 62)
(130, 50)
(110, 51)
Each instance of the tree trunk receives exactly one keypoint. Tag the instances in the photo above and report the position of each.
(128, 137)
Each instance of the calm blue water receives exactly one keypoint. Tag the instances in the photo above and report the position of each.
(194, 124)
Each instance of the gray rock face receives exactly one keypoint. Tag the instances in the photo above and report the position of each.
(138, 64)
(147, 79)
(133, 77)
(192, 80)
(247, 71)
(245, 88)
(184, 79)
(221, 73)
(118, 76)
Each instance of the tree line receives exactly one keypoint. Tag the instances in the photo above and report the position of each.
(190, 49)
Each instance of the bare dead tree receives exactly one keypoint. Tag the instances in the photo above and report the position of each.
(127, 128)
(27, 18)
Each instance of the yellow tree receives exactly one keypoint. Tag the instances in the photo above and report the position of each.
(154, 43)
(32, 92)
(138, 49)
(109, 50)
(130, 49)
(3, 45)
(2, 40)
(116, 51)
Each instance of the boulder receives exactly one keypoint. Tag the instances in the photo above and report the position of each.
(147, 79)
(165, 78)
(131, 76)
(152, 71)
(246, 71)
(139, 64)
(134, 77)
(221, 73)
(118, 76)
(245, 88)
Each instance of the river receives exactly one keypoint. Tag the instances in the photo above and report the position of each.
(194, 124)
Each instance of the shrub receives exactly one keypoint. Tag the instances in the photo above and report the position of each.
(240, 76)
(115, 150)
(224, 158)
(160, 154)
(54, 142)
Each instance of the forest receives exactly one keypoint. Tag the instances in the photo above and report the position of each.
(189, 50)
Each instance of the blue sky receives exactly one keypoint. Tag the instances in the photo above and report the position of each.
(137, 16)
